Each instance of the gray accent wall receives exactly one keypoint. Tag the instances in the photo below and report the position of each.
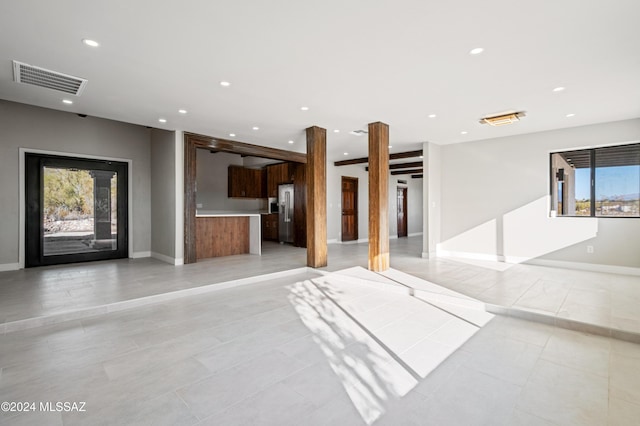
(163, 193)
(29, 127)
(495, 200)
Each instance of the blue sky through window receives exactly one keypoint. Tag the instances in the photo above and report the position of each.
(610, 182)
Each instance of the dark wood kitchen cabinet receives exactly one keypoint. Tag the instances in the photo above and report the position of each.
(270, 227)
(245, 183)
(277, 174)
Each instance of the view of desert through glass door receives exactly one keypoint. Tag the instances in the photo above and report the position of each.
(74, 210)
(80, 211)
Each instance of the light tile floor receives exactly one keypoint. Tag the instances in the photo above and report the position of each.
(270, 353)
(608, 301)
(348, 348)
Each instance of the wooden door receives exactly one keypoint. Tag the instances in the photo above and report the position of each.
(402, 212)
(349, 208)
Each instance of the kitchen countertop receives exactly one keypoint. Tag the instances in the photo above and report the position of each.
(222, 213)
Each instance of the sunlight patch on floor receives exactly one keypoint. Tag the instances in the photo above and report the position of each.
(379, 340)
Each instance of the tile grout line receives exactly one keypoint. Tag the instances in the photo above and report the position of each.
(412, 294)
(388, 350)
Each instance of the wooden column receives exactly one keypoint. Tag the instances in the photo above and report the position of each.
(316, 176)
(378, 196)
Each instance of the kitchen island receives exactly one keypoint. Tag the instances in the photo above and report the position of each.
(224, 233)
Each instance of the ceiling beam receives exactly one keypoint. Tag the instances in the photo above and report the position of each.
(397, 166)
(395, 156)
(247, 149)
(406, 172)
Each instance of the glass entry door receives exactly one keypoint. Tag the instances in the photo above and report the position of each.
(76, 210)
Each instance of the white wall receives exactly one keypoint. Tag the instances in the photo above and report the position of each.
(29, 127)
(495, 200)
(432, 201)
(212, 186)
(334, 202)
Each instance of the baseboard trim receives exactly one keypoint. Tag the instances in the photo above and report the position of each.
(470, 255)
(429, 254)
(140, 254)
(414, 234)
(332, 241)
(593, 267)
(164, 258)
(9, 267)
(581, 266)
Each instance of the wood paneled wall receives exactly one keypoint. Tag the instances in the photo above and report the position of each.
(221, 236)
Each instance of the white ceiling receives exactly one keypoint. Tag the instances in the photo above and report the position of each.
(350, 61)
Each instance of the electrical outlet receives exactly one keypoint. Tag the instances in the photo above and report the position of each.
(589, 249)
(198, 206)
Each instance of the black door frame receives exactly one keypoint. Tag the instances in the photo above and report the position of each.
(34, 232)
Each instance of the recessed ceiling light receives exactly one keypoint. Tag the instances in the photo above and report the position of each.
(432, 116)
(256, 128)
(346, 153)
(233, 135)
(290, 141)
(225, 84)
(463, 133)
(90, 42)
(571, 115)
(558, 89)
(67, 101)
(476, 51)
(422, 156)
(390, 146)
(182, 111)
(336, 131)
(304, 108)
(162, 120)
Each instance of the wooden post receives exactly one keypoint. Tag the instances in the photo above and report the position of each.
(316, 176)
(378, 196)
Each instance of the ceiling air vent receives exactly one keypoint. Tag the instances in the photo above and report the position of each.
(502, 119)
(28, 74)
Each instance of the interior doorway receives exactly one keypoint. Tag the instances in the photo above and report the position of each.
(349, 208)
(402, 211)
(76, 210)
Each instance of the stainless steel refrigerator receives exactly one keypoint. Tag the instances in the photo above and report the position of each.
(285, 217)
